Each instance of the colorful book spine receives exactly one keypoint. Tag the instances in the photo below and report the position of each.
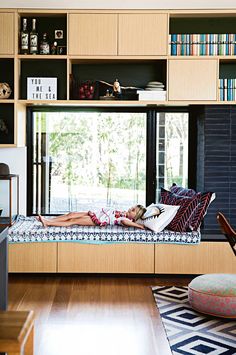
(204, 44)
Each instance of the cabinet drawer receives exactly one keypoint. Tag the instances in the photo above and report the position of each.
(114, 258)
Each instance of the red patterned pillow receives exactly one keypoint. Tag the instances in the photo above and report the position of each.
(182, 191)
(205, 198)
(183, 217)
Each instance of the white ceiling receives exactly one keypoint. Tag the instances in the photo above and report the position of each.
(120, 4)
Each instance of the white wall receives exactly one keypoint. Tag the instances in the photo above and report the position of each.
(16, 159)
(122, 4)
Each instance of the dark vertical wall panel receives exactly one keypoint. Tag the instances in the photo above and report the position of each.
(217, 162)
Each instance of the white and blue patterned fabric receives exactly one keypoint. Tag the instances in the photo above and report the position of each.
(190, 332)
(29, 229)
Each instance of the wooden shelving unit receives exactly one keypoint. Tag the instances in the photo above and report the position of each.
(124, 38)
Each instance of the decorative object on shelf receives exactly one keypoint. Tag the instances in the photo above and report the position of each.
(154, 90)
(33, 38)
(86, 90)
(54, 48)
(117, 89)
(24, 38)
(128, 92)
(44, 45)
(41, 88)
(5, 91)
(108, 96)
(61, 50)
(58, 34)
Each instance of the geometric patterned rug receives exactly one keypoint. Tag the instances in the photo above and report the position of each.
(190, 332)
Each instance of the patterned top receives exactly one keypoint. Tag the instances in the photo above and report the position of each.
(29, 229)
(107, 216)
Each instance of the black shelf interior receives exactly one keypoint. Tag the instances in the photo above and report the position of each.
(7, 73)
(129, 73)
(44, 68)
(227, 70)
(6, 124)
(203, 25)
(48, 24)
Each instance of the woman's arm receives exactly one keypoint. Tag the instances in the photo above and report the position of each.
(127, 222)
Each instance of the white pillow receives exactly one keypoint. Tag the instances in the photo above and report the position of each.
(158, 223)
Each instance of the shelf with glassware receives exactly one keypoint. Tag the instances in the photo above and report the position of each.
(42, 34)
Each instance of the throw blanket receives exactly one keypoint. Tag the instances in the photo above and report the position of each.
(28, 230)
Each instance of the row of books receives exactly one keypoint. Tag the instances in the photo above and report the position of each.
(227, 89)
(202, 44)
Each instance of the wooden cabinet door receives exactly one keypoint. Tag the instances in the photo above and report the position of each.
(6, 33)
(142, 34)
(93, 34)
(192, 79)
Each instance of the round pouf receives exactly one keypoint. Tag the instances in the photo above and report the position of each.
(214, 294)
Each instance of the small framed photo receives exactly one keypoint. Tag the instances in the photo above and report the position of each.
(58, 34)
(61, 50)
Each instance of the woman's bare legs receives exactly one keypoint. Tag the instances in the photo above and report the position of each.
(80, 221)
(66, 217)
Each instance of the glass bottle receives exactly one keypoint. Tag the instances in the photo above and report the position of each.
(44, 45)
(33, 38)
(24, 38)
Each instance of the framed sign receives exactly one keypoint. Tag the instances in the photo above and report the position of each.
(41, 88)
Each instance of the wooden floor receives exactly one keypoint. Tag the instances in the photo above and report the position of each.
(88, 315)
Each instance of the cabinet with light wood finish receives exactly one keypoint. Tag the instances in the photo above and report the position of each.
(143, 34)
(207, 257)
(7, 33)
(93, 34)
(192, 79)
(113, 258)
(33, 257)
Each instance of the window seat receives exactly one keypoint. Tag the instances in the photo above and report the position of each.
(116, 249)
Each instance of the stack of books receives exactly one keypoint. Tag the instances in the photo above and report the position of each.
(202, 44)
(154, 90)
(227, 89)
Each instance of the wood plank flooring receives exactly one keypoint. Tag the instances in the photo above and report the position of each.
(93, 315)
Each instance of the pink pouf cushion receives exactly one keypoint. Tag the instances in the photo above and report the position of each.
(214, 294)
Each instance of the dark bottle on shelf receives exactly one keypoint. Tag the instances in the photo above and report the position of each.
(33, 38)
(24, 38)
(44, 45)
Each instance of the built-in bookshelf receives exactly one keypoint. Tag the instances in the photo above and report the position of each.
(203, 44)
(189, 55)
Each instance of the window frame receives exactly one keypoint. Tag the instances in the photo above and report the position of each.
(151, 122)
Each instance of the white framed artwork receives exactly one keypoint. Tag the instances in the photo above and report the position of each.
(41, 88)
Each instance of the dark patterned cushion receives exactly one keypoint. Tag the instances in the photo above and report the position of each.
(182, 191)
(205, 198)
(188, 206)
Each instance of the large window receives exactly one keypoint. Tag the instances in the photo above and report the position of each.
(85, 159)
(78, 159)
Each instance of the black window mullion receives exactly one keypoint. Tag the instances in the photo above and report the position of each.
(151, 157)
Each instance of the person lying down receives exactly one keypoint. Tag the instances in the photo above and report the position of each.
(99, 217)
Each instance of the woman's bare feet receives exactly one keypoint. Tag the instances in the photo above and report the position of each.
(42, 220)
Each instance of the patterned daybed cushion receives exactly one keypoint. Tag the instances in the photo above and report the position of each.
(28, 229)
